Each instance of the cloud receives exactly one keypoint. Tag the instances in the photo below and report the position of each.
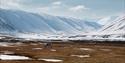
(10, 4)
(78, 8)
(57, 3)
(43, 9)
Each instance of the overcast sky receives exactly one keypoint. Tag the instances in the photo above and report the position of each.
(92, 9)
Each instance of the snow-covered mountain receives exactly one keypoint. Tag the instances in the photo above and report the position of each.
(106, 20)
(21, 21)
(113, 29)
(117, 25)
(82, 25)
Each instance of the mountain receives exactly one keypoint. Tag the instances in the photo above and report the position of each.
(106, 20)
(25, 22)
(114, 29)
(82, 25)
(22, 22)
(117, 25)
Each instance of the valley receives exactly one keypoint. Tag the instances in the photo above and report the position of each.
(62, 52)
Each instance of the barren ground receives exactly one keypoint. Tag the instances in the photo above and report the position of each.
(67, 52)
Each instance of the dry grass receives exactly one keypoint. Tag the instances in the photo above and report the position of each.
(97, 53)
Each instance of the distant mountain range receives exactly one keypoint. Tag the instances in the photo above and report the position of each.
(32, 25)
(25, 22)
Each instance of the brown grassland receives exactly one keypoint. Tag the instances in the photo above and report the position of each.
(98, 53)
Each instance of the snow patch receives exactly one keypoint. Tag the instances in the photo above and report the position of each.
(37, 48)
(53, 50)
(81, 56)
(51, 60)
(2, 37)
(86, 49)
(13, 57)
(105, 49)
(5, 44)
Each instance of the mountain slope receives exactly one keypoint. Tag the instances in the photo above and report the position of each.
(106, 20)
(23, 22)
(82, 25)
(20, 21)
(116, 25)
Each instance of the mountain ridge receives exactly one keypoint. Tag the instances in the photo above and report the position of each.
(21, 21)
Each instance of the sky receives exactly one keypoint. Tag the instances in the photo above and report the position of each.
(83, 9)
